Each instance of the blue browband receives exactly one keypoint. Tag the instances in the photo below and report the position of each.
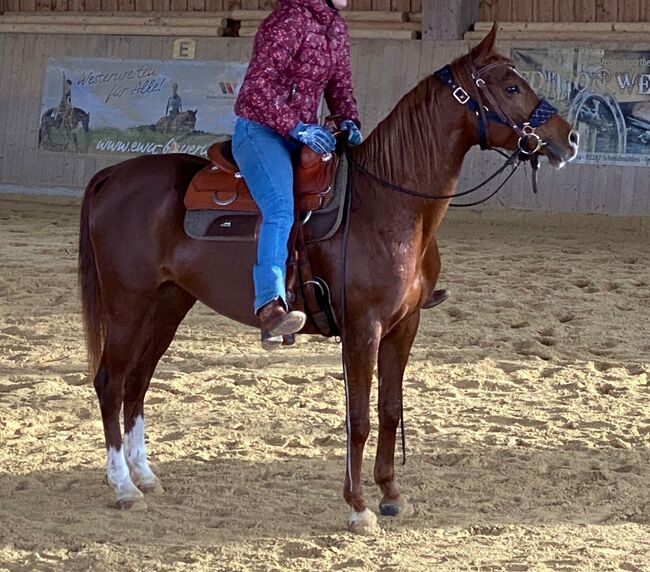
(540, 115)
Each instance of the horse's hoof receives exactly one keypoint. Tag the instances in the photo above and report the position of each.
(395, 507)
(364, 523)
(131, 504)
(151, 488)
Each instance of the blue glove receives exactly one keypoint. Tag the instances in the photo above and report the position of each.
(354, 133)
(314, 136)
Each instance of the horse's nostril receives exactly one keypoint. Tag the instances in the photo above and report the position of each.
(574, 137)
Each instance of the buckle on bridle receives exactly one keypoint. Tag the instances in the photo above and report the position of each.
(461, 95)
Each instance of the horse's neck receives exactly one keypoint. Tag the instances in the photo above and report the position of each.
(421, 144)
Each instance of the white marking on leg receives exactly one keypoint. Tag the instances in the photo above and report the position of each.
(117, 472)
(364, 522)
(136, 455)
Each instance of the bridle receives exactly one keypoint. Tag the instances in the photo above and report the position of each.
(526, 131)
(529, 143)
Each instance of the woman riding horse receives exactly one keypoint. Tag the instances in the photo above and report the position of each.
(301, 50)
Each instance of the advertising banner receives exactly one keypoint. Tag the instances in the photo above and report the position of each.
(106, 105)
(605, 94)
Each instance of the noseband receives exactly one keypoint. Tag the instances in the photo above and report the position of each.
(529, 143)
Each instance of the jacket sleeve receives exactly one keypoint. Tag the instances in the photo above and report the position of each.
(276, 44)
(338, 91)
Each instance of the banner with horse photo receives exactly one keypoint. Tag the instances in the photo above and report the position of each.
(605, 94)
(106, 105)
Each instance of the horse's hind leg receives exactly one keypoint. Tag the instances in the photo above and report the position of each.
(156, 334)
(122, 331)
(393, 355)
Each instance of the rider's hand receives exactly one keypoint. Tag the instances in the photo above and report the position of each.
(314, 136)
(354, 133)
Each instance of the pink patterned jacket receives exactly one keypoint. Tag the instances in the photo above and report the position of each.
(301, 50)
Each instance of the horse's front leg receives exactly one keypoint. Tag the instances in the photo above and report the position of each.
(393, 355)
(359, 358)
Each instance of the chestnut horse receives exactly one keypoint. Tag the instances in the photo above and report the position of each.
(140, 273)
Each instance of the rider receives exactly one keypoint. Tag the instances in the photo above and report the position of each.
(64, 111)
(301, 51)
(174, 103)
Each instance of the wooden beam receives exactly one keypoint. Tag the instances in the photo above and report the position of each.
(111, 30)
(566, 36)
(116, 19)
(566, 27)
(547, 26)
(357, 16)
(448, 19)
(355, 26)
(380, 34)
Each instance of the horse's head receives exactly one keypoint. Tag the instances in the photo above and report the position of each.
(509, 113)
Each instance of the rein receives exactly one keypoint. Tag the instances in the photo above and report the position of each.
(512, 161)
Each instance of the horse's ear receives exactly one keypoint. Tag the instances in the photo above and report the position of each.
(196, 111)
(486, 47)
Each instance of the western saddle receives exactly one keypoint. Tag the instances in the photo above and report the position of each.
(221, 186)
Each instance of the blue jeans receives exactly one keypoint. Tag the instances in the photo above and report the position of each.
(264, 159)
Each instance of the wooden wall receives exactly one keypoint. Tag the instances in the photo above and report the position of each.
(564, 11)
(183, 5)
(490, 10)
(383, 71)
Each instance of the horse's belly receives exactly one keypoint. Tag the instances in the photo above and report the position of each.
(219, 274)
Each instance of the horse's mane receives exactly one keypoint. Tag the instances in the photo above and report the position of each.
(415, 130)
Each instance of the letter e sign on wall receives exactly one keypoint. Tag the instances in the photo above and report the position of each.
(184, 49)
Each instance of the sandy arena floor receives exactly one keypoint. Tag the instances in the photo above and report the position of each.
(527, 413)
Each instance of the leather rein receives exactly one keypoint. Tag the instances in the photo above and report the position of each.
(528, 145)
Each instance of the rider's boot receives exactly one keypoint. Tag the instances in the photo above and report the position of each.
(437, 297)
(276, 321)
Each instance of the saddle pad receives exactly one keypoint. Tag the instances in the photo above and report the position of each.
(232, 225)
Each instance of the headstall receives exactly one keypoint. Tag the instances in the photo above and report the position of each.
(529, 142)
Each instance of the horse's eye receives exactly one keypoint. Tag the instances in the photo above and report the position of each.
(512, 89)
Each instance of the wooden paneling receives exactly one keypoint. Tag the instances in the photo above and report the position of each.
(190, 5)
(383, 71)
(564, 11)
(544, 10)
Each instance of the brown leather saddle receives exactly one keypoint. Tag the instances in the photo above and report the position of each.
(221, 208)
(220, 185)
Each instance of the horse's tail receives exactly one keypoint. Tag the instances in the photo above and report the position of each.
(92, 307)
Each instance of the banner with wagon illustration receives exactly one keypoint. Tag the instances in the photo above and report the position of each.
(605, 94)
(106, 105)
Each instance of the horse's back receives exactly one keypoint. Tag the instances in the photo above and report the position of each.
(152, 175)
(135, 212)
